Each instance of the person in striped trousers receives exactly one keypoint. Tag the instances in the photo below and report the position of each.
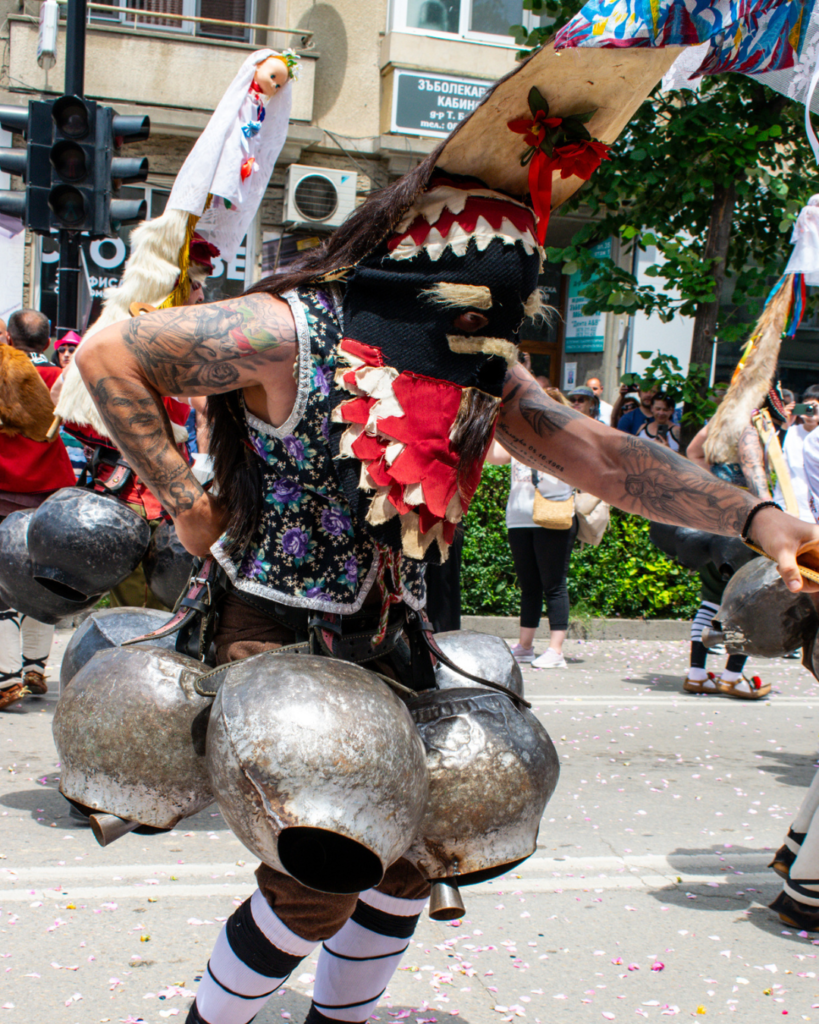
(364, 937)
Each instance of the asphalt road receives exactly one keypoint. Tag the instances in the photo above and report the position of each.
(653, 851)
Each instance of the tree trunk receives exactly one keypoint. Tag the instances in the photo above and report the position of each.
(705, 321)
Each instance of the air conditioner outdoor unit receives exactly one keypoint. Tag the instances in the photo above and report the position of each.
(318, 197)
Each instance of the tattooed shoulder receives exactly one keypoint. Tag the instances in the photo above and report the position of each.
(214, 346)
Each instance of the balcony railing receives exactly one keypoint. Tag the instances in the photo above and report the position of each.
(158, 18)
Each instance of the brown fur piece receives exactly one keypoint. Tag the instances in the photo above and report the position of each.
(25, 404)
(750, 385)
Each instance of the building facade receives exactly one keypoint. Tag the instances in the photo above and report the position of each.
(382, 81)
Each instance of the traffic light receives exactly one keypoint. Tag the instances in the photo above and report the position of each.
(122, 129)
(13, 119)
(86, 168)
(72, 166)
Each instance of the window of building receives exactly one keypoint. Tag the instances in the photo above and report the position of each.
(472, 19)
(170, 15)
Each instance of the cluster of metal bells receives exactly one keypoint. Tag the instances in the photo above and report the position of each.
(759, 616)
(57, 560)
(695, 548)
(318, 766)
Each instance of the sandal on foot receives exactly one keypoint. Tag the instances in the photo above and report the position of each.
(707, 685)
(782, 861)
(35, 682)
(794, 914)
(10, 695)
(744, 688)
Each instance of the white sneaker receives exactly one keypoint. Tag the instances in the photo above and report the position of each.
(523, 655)
(549, 659)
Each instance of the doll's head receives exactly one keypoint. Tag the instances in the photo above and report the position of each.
(274, 72)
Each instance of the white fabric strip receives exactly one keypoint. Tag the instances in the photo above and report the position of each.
(814, 142)
(808, 807)
(392, 904)
(36, 639)
(805, 869)
(10, 660)
(705, 613)
(275, 930)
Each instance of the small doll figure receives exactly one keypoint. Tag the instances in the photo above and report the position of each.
(271, 74)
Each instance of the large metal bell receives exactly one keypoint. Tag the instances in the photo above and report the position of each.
(317, 768)
(130, 731)
(167, 564)
(663, 536)
(108, 628)
(693, 547)
(759, 616)
(729, 554)
(480, 654)
(83, 543)
(19, 589)
(492, 769)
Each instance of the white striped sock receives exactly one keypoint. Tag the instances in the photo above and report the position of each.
(356, 965)
(254, 954)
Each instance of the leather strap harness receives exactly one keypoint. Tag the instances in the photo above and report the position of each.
(194, 621)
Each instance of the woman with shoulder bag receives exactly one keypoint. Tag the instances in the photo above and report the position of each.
(542, 527)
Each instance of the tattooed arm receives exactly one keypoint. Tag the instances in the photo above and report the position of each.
(249, 342)
(638, 476)
(752, 462)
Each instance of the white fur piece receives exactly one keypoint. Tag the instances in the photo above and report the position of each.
(445, 293)
(750, 386)
(151, 271)
(470, 344)
(76, 405)
(458, 239)
(150, 275)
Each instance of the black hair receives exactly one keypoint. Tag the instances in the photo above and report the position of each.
(665, 398)
(29, 329)
(811, 393)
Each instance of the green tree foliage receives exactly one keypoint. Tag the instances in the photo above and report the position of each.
(713, 179)
(678, 157)
(625, 576)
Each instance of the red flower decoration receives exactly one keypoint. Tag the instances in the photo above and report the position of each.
(581, 158)
(555, 144)
(534, 130)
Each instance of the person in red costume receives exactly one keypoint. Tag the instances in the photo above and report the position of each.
(29, 472)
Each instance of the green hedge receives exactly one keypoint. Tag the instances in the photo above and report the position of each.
(625, 576)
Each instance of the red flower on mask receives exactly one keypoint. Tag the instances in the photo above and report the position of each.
(580, 158)
(534, 130)
(555, 144)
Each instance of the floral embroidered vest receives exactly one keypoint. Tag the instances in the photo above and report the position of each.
(309, 551)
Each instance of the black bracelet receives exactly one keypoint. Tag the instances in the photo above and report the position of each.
(757, 508)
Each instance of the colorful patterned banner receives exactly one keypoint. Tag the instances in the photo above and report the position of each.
(748, 36)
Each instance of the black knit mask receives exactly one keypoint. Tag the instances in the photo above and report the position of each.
(430, 321)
